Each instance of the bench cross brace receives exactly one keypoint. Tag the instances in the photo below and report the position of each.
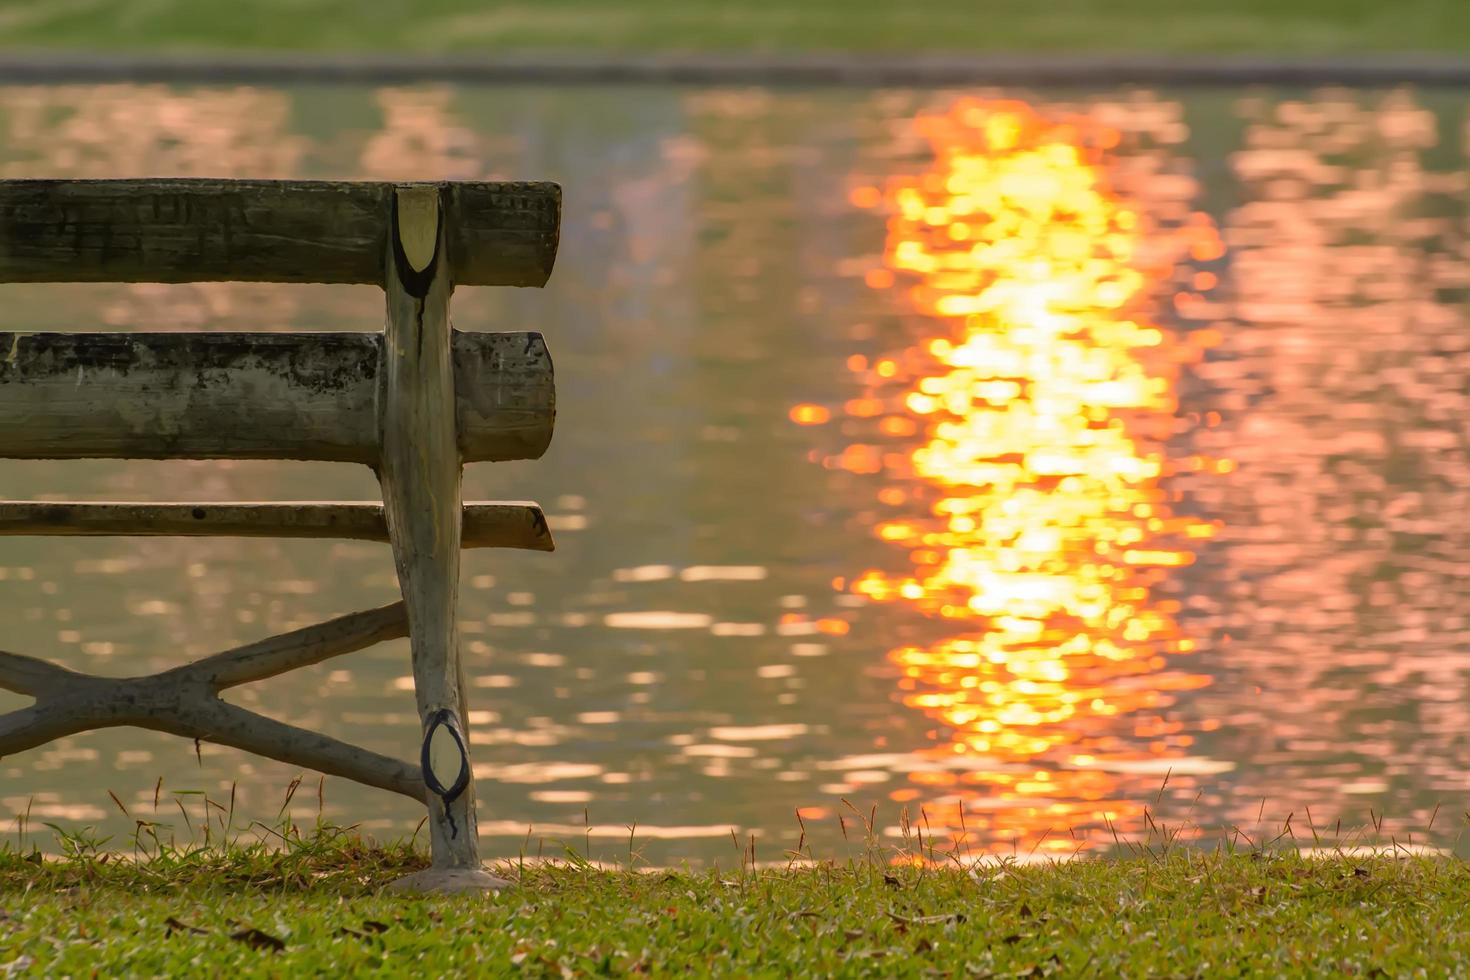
(186, 701)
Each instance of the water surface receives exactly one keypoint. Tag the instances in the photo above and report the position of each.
(1021, 460)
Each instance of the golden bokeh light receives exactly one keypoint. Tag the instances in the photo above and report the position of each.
(1026, 468)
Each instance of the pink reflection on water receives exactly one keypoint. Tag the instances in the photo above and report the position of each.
(1341, 392)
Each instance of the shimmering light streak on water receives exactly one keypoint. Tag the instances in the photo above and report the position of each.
(1023, 466)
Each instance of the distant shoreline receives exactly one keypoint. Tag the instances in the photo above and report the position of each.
(794, 70)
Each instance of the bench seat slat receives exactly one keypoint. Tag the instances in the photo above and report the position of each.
(502, 524)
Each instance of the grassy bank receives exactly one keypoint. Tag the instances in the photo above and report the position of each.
(315, 906)
(1275, 26)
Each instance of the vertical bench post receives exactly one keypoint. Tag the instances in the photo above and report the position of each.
(421, 473)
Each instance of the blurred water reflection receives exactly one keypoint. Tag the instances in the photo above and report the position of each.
(1022, 446)
(983, 456)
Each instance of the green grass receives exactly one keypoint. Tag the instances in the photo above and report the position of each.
(297, 904)
(1278, 26)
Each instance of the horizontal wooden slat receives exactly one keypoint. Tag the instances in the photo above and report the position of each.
(253, 395)
(509, 524)
(193, 230)
(504, 396)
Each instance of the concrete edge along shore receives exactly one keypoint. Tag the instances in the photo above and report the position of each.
(785, 70)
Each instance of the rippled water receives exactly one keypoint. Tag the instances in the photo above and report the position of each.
(1022, 461)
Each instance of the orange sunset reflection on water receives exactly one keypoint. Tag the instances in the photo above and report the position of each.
(1024, 469)
(1097, 502)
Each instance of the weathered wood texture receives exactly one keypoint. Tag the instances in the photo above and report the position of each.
(510, 524)
(185, 701)
(421, 477)
(254, 395)
(415, 403)
(298, 648)
(193, 230)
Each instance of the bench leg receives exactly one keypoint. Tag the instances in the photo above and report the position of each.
(420, 472)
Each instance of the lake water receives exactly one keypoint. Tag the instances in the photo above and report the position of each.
(1022, 460)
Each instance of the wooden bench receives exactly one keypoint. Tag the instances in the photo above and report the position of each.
(414, 402)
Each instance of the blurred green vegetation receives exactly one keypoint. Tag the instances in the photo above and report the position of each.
(1264, 26)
